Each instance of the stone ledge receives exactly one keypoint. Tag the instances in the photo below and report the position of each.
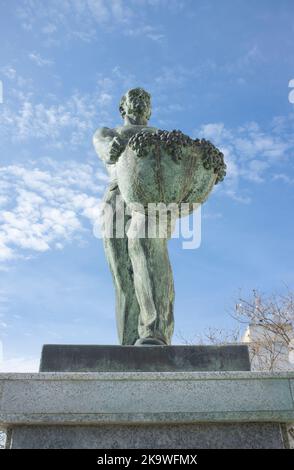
(78, 419)
(181, 397)
(213, 375)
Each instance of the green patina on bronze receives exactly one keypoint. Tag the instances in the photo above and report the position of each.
(148, 165)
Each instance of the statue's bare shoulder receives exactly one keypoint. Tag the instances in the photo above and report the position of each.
(107, 144)
(104, 133)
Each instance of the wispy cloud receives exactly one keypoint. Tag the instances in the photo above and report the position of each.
(79, 20)
(284, 178)
(38, 60)
(46, 206)
(147, 31)
(253, 56)
(251, 153)
(18, 82)
(179, 75)
(56, 121)
(68, 120)
(212, 215)
(9, 72)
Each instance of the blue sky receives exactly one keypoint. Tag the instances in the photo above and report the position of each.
(215, 69)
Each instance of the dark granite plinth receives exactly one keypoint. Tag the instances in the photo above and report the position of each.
(170, 436)
(90, 358)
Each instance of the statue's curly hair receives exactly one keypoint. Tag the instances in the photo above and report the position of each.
(136, 94)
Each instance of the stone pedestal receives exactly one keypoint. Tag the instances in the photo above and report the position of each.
(146, 409)
(92, 358)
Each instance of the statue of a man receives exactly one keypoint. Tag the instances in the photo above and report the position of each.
(149, 166)
(140, 267)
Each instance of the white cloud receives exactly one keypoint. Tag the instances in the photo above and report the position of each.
(173, 5)
(177, 75)
(246, 61)
(49, 28)
(80, 19)
(147, 31)
(17, 83)
(40, 61)
(99, 10)
(251, 153)
(6, 253)
(58, 123)
(48, 207)
(212, 215)
(284, 178)
(214, 131)
(9, 72)
(105, 11)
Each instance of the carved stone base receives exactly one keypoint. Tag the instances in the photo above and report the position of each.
(147, 409)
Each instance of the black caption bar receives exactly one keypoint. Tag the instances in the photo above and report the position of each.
(130, 459)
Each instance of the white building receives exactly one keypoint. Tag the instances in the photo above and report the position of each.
(268, 348)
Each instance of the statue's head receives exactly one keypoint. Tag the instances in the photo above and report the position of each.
(135, 106)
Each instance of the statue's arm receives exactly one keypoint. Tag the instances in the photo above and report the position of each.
(108, 145)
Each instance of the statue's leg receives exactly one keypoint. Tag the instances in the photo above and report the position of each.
(153, 284)
(116, 250)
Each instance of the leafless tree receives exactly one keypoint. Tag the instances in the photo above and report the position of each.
(270, 335)
(213, 336)
(271, 322)
(271, 319)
